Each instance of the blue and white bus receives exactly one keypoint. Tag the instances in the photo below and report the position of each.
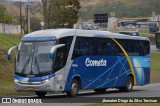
(69, 60)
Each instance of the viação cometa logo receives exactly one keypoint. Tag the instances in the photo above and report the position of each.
(91, 63)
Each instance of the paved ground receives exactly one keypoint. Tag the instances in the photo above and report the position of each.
(154, 49)
(150, 90)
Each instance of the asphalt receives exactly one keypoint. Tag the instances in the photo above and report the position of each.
(153, 49)
(147, 91)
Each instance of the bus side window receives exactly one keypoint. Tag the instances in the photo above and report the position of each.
(92, 46)
(84, 46)
(59, 59)
(62, 53)
(99, 47)
(110, 45)
(133, 46)
(119, 51)
(76, 50)
(145, 48)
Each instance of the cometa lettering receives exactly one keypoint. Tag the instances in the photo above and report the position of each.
(90, 63)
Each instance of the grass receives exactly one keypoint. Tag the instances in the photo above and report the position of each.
(7, 41)
(147, 35)
(7, 89)
(7, 67)
(155, 60)
(155, 68)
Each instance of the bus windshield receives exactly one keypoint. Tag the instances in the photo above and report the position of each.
(33, 58)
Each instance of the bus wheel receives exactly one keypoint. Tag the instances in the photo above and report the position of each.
(74, 89)
(41, 94)
(129, 85)
(100, 90)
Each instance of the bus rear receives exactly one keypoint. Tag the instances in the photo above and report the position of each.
(157, 40)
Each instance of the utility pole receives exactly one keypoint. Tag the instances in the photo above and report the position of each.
(21, 16)
(28, 16)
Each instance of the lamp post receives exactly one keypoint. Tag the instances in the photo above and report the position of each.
(20, 15)
(28, 16)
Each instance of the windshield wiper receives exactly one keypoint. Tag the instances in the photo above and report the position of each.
(37, 65)
(26, 64)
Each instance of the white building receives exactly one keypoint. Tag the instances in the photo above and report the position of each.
(112, 23)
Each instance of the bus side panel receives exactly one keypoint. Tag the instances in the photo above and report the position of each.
(142, 69)
(113, 74)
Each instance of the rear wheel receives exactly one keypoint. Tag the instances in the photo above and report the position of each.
(100, 90)
(129, 85)
(74, 89)
(41, 94)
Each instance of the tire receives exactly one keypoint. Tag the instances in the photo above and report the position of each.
(129, 85)
(100, 90)
(74, 89)
(41, 94)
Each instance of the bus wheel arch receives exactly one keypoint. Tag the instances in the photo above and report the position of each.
(79, 81)
(74, 87)
(129, 84)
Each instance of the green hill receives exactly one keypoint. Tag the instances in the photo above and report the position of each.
(7, 67)
(123, 8)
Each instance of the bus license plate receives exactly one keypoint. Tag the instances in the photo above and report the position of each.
(30, 88)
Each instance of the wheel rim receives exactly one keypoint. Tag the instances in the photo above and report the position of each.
(74, 88)
(129, 84)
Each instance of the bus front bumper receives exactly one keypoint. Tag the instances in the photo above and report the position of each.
(46, 85)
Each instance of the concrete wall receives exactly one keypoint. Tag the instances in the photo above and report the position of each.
(9, 28)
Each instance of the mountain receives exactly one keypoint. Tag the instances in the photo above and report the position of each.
(123, 8)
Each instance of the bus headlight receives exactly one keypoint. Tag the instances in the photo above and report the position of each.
(15, 80)
(45, 81)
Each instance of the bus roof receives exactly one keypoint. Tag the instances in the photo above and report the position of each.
(59, 33)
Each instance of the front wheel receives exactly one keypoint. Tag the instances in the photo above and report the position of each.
(41, 94)
(74, 89)
(129, 85)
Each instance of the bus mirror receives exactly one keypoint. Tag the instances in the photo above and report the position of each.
(10, 51)
(54, 48)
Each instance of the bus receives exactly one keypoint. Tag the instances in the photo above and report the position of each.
(157, 39)
(69, 60)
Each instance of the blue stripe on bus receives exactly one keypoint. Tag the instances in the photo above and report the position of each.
(49, 38)
(36, 79)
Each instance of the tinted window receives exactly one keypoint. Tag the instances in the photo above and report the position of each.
(84, 46)
(133, 48)
(145, 48)
(92, 46)
(111, 47)
(123, 43)
(62, 53)
(107, 47)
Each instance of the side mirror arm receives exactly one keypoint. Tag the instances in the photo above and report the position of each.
(54, 48)
(10, 51)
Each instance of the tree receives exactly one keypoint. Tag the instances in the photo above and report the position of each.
(60, 13)
(4, 16)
